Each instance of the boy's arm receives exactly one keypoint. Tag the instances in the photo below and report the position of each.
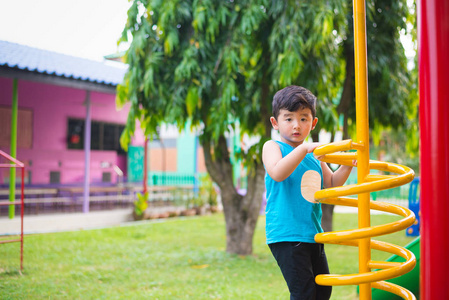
(337, 178)
(278, 167)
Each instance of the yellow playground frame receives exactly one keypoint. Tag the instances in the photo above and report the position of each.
(366, 183)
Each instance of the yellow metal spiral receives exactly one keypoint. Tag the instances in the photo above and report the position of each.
(353, 237)
(361, 237)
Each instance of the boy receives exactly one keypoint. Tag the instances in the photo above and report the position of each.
(293, 217)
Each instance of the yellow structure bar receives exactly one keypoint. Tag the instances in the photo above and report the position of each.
(368, 277)
(370, 185)
(361, 91)
(360, 233)
(383, 264)
(366, 183)
(395, 289)
(334, 147)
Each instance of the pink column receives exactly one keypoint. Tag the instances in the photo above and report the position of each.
(433, 55)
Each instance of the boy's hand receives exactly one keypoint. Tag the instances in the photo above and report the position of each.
(309, 147)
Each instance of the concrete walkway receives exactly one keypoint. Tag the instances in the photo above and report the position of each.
(45, 223)
(64, 222)
(58, 222)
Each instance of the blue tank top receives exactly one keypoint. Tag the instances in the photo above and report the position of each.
(292, 215)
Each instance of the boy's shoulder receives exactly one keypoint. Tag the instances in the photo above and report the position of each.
(271, 143)
(277, 144)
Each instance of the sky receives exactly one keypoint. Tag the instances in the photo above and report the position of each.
(83, 28)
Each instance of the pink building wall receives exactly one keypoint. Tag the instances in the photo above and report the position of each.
(52, 106)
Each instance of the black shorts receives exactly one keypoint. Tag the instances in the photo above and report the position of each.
(300, 263)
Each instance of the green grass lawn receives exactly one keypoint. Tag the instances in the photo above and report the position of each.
(181, 258)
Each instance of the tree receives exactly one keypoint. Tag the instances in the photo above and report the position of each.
(389, 79)
(212, 62)
(215, 62)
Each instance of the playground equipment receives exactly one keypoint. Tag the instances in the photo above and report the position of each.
(361, 237)
(413, 204)
(410, 280)
(15, 164)
(433, 41)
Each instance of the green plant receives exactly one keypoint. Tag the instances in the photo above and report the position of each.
(206, 195)
(207, 191)
(197, 201)
(141, 204)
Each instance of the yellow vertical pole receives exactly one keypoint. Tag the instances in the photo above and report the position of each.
(361, 83)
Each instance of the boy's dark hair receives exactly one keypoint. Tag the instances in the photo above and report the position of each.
(292, 98)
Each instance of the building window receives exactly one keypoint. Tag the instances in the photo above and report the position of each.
(55, 177)
(24, 127)
(76, 134)
(104, 136)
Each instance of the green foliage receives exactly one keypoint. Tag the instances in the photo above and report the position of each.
(392, 148)
(393, 98)
(207, 194)
(141, 204)
(213, 62)
(207, 190)
(206, 60)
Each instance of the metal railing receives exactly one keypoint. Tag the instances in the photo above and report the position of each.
(15, 164)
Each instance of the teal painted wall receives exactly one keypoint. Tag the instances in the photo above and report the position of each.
(135, 163)
(186, 156)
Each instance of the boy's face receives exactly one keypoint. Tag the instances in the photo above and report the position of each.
(294, 126)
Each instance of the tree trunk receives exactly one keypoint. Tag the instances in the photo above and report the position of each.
(315, 136)
(348, 90)
(342, 108)
(328, 216)
(241, 212)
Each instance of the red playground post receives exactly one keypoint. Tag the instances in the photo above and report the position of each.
(433, 45)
